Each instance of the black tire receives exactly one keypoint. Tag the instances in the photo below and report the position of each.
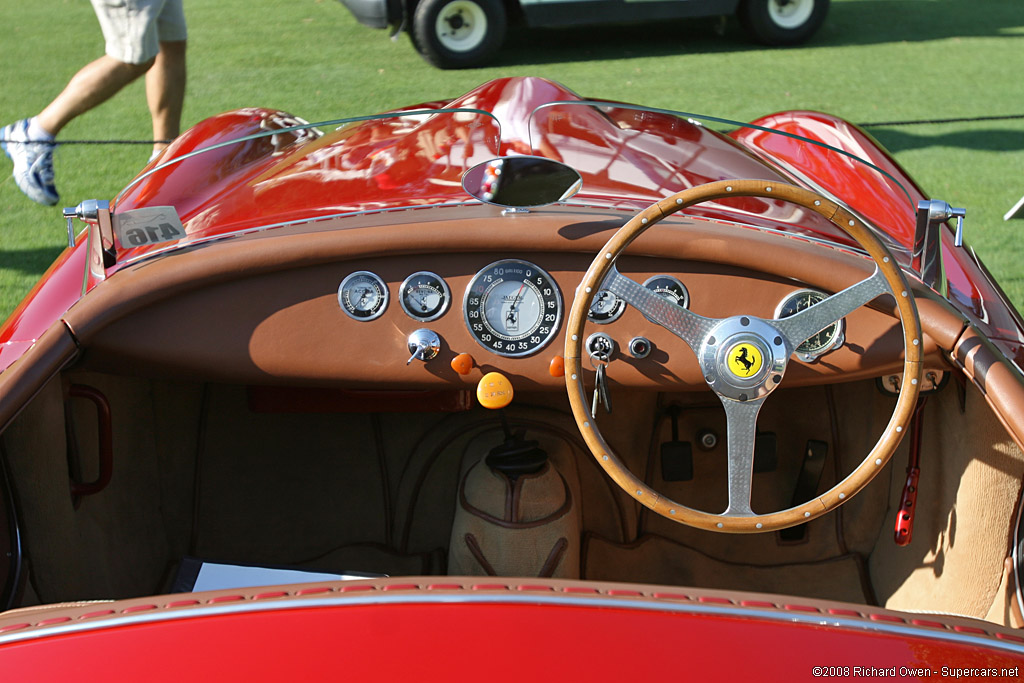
(782, 22)
(455, 34)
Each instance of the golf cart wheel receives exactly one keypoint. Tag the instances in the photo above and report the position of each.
(782, 22)
(455, 34)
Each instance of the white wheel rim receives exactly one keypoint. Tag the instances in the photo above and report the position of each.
(790, 14)
(461, 26)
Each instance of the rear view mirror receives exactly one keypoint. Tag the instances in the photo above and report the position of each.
(521, 182)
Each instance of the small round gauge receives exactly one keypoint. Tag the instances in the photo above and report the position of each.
(513, 308)
(821, 343)
(605, 308)
(363, 295)
(669, 288)
(425, 296)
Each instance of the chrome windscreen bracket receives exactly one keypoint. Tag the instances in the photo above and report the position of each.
(931, 214)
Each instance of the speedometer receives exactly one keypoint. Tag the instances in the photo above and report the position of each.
(513, 308)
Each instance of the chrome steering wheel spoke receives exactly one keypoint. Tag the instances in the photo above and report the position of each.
(799, 327)
(741, 428)
(689, 327)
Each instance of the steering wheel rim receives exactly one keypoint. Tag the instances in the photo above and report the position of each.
(772, 337)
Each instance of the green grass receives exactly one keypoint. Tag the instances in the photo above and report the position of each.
(874, 60)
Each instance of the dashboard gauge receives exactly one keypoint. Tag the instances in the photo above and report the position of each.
(669, 288)
(425, 296)
(513, 308)
(828, 339)
(605, 307)
(363, 295)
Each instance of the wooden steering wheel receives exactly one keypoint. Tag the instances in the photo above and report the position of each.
(765, 347)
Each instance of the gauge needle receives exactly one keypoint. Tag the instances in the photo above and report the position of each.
(518, 297)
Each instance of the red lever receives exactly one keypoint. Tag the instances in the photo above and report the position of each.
(904, 532)
(908, 506)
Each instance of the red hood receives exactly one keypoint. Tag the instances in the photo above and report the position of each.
(626, 157)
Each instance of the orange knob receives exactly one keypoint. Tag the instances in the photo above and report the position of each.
(462, 363)
(557, 367)
(494, 391)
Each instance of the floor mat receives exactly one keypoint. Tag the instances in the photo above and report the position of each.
(655, 559)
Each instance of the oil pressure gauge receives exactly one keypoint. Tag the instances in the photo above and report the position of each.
(819, 344)
(363, 295)
(669, 288)
(425, 296)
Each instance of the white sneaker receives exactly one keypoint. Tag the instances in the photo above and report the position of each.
(33, 163)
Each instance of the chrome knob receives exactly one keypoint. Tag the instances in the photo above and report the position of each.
(424, 344)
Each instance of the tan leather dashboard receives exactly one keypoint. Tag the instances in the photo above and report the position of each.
(264, 309)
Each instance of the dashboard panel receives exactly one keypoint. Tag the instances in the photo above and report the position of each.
(303, 335)
(279, 318)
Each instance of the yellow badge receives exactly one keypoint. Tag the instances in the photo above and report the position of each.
(745, 360)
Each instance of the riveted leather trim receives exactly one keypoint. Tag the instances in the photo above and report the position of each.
(998, 380)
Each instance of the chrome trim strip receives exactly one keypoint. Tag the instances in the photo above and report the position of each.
(482, 598)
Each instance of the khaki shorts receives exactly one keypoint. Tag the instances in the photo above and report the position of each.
(134, 29)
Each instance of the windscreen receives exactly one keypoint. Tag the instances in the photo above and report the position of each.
(636, 153)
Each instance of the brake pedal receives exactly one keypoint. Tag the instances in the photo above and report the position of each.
(676, 455)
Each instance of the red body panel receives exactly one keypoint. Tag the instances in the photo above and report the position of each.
(60, 287)
(400, 632)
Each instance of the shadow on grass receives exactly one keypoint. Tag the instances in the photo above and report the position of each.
(851, 23)
(28, 261)
(995, 140)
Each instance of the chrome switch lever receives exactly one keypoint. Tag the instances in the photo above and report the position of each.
(424, 345)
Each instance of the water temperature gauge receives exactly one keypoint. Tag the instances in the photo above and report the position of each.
(425, 296)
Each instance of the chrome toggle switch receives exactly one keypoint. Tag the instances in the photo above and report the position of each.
(424, 344)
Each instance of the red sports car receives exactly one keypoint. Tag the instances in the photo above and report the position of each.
(516, 384)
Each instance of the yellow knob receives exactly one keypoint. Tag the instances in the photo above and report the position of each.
(494, 391)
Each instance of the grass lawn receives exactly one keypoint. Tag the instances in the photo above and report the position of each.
(874, 61)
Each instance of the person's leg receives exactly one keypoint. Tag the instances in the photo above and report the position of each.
(165, 92)
(94, 84)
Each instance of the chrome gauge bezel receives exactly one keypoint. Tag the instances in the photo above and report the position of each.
(545, 294)
(610, 314)
(352, 308)
(430, 280)
(835, 334)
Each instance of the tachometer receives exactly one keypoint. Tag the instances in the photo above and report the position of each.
(830, 338)
(513, 308)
